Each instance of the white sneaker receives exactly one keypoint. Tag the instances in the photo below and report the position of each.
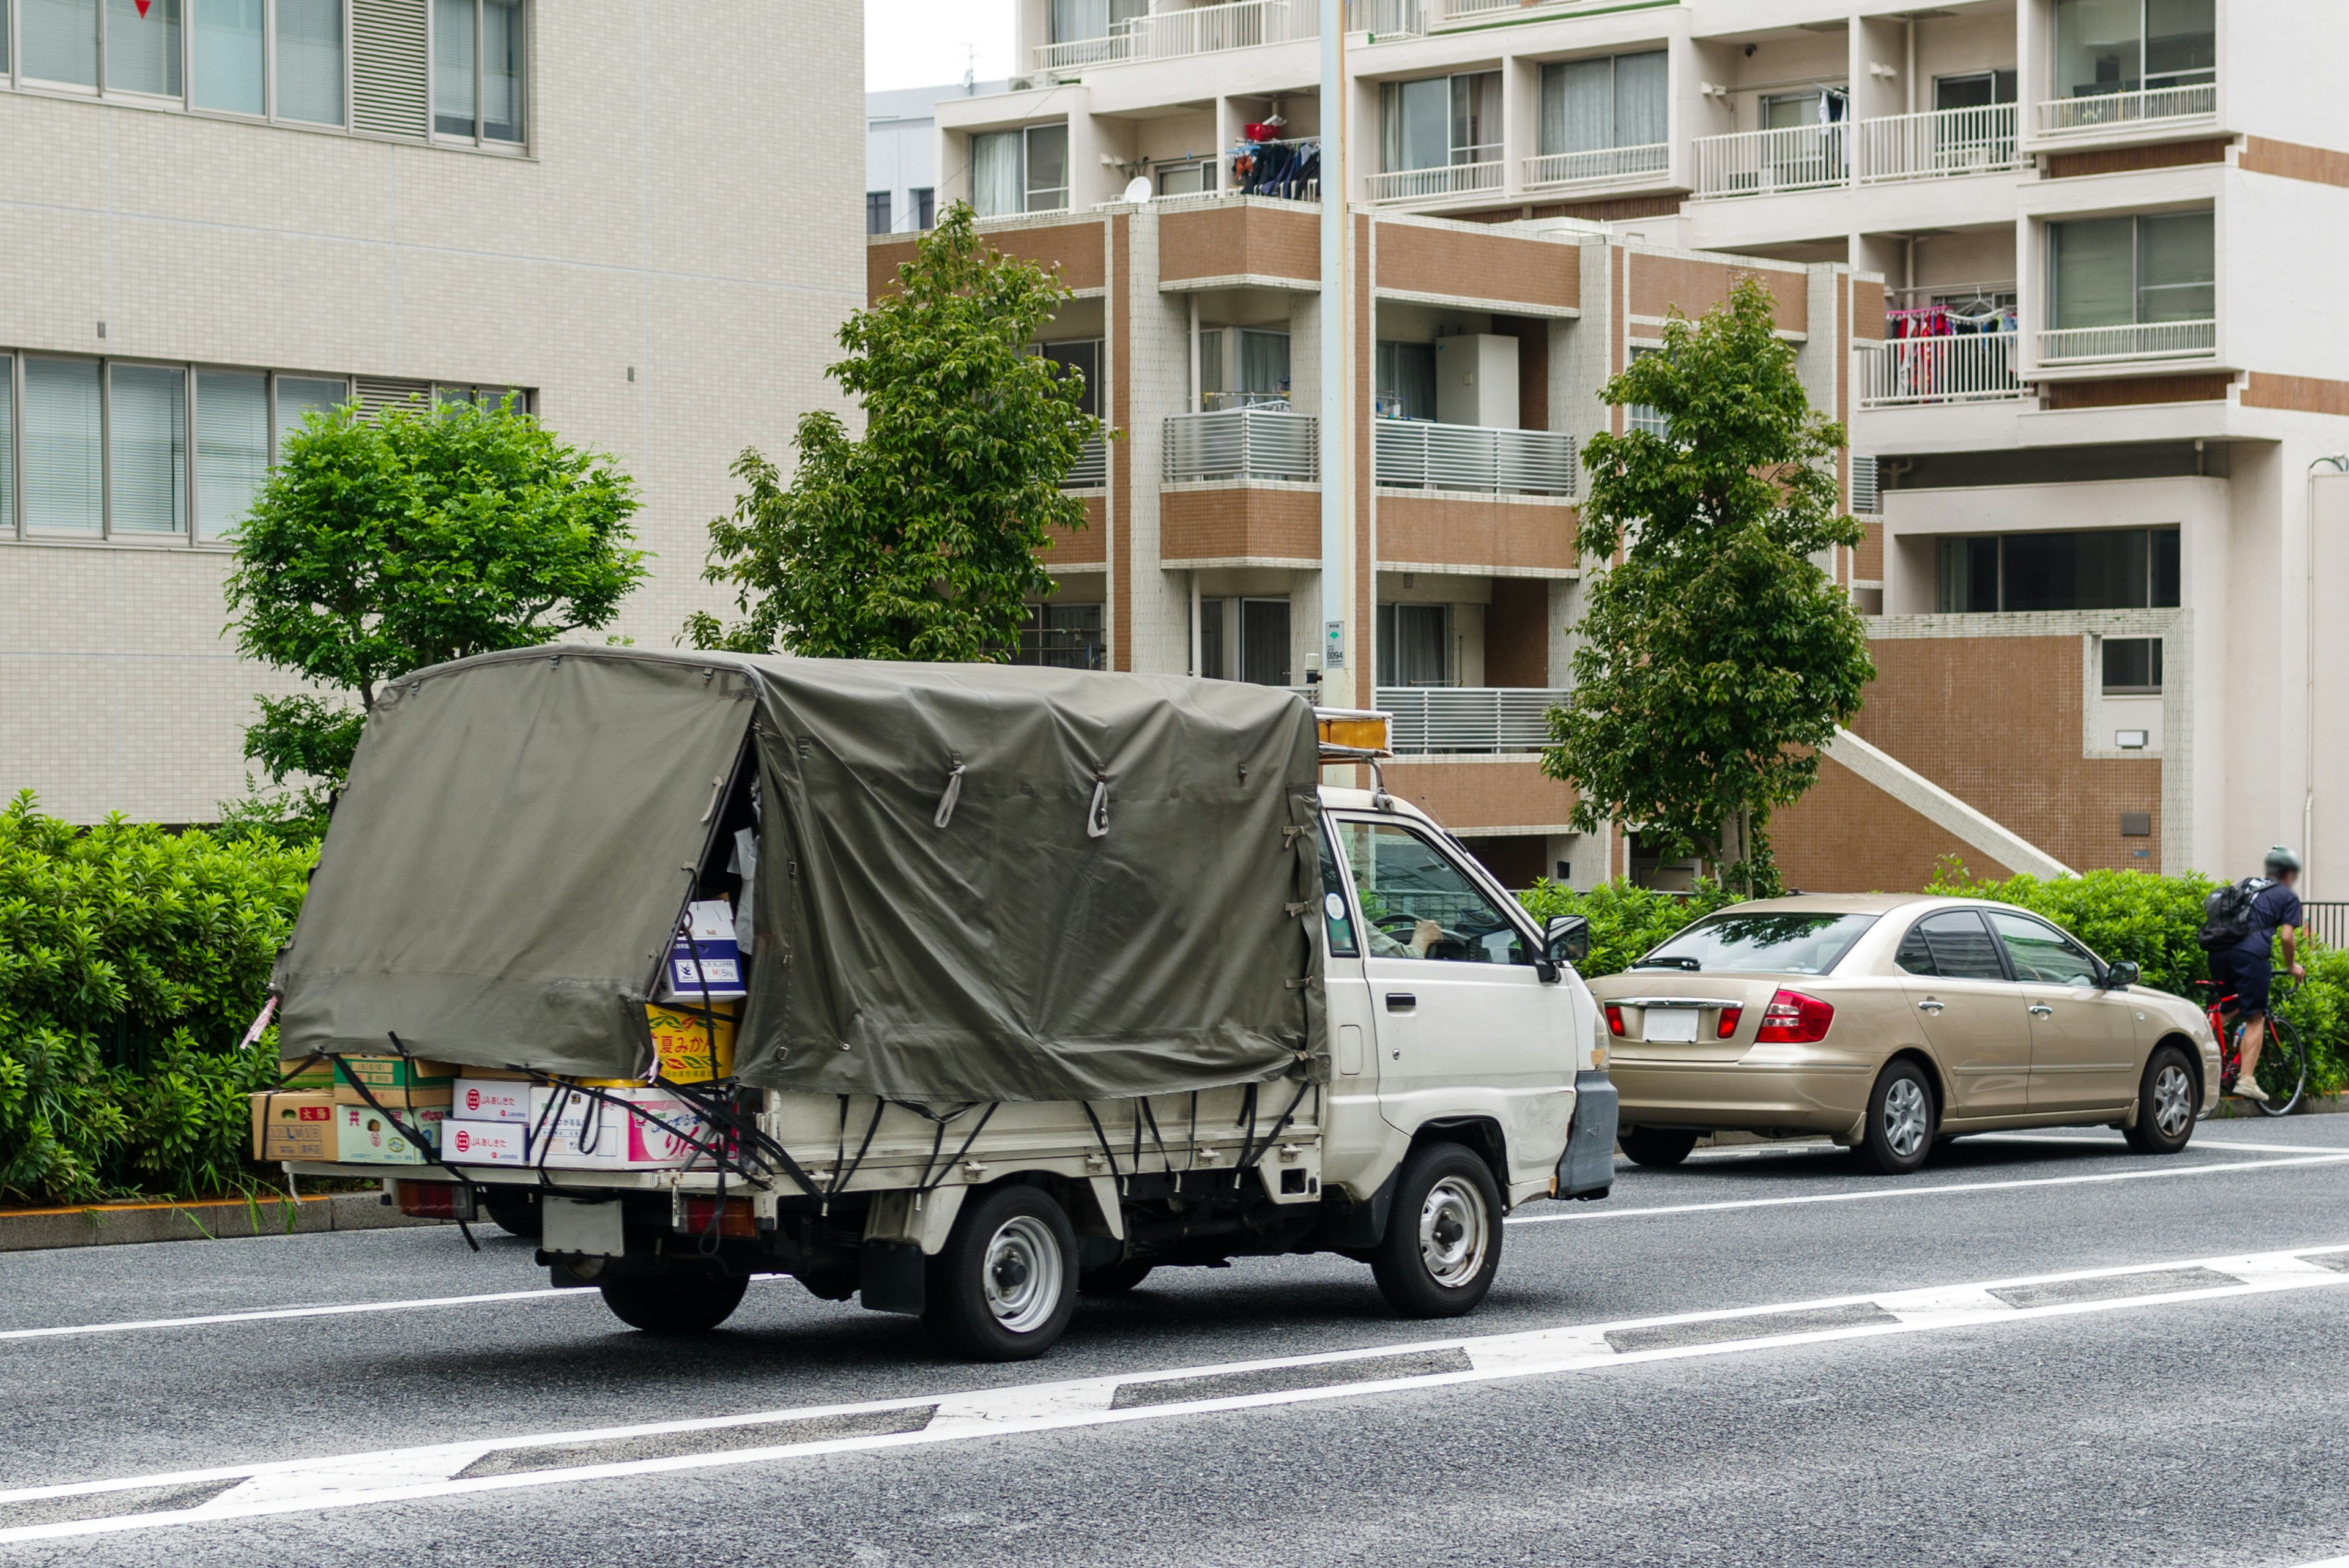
(2248, 1087)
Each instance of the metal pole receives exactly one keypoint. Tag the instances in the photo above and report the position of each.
(1337, 433)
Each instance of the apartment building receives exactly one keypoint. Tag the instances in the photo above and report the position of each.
(216, 215)
(2091, 367)
(900, 154)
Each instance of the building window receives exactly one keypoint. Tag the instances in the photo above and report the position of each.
(2116, 568)
(1264, 641)
(60, 41)
(876, 212)
(1976, 90)
(1081, 356)
(1024, 171)
(477, 70)
(1211, 641)
(1079, 21)
(310, 61)
(925, 206)
(147, 449)
(1615, 101)
(143, 48)
(2132, 666)
(1063, 637)
(65, 482)
(2106, 46)
(2115, 272)
(1438, 122)
(1812, 105)
(1406, 380)
(232, 447)
(1415, 645)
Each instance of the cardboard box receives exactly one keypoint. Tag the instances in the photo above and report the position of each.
(490, 1100)
(394, 1072)
(364, 1136)
(710, 964)
(394, 1099)
(681, 1037)
(293, 1125)
(316, 1073)
(485, 1143)
(607, 1133)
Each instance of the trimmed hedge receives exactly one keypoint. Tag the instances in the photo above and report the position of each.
(131, 962)
(1625, 920)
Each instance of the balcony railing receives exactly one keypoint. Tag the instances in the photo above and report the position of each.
(1414, 454)
(1947, 142)
(1976, 367)
(1060, 59)
(1090, 471)
(1210, 30)
(1764, 163)
(2138, 340)
(1602, 163)
(1444, 180)
(2101, 112)
(1243, 443)
(1468, 719)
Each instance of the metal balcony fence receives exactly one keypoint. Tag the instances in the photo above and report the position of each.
(1469, 720)
(1444, 180)
(1090, 471)
(1211, 29)
(1972, 367)
(1600, 163)
(2099, 111)
(1242, 443)
(2130, 340)
(1945, 141)
(1764, 162)
(1416, 454)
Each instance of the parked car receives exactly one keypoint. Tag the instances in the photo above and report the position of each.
(1892, 1022)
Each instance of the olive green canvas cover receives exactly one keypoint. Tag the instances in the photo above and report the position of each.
(1114, 896)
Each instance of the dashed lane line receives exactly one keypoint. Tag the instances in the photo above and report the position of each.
(208, 1496)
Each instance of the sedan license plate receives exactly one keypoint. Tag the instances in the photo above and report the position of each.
(1670, 1025)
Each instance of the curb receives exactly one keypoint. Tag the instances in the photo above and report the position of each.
(122, 1224)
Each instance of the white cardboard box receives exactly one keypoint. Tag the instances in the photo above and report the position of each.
(490, 1100)
(364, 1136)
(485, 1143)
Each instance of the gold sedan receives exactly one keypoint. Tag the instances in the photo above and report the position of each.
(1890, 1023)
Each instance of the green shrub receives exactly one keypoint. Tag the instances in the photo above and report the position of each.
(131, 962)
(1625, 920)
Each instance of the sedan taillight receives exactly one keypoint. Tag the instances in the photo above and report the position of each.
(1795, 1019)
(1614, 1020)
(1727, 1027)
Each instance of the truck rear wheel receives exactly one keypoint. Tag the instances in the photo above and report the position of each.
(675, 1303)
(514, 1212)
(1005, 1285)
(1658, 1147)
(1443, 1244)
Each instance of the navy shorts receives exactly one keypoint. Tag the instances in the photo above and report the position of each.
(2246, 976)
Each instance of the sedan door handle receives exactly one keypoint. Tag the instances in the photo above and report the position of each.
(2040, 1009)
(1400, 1002)
(1930, 1006)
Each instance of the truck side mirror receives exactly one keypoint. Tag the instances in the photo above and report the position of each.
(2121, 976)
(1566, 939)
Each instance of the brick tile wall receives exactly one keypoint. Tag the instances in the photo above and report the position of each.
(1416, 259)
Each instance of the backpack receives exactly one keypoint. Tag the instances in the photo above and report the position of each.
(2227, 914)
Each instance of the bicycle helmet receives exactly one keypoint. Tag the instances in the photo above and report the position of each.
(2282, 861)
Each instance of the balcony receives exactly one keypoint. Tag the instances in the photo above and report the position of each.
(2130, 342)
(1242, 444)
(1766, 163)
(1605, 165)
(2097, 111)
(1174, 35)
(1433, 720)
(1444, 180)
(1972, 367)
(1930, 146)
(1414, 454)
(1902, 147)
(1090, 471)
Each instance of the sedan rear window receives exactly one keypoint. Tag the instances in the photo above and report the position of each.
(1809, 942)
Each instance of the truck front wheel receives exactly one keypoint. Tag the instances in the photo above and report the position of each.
(1443, 1244)
(1005, 1284)
(675, 1303)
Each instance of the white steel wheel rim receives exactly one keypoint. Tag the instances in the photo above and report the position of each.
(1455, 1231)
(2173, 1100)
(1904, 1119)
(1022, 1273)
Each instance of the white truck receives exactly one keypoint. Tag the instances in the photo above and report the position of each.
(1448, 1066)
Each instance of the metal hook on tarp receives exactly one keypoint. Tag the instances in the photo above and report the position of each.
(953, 792)
(1097, 815)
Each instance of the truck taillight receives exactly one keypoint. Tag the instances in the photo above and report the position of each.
(1793, 1019)
(1614, 1020)
(435, 1200)
(1727, 1027)
(735, 1220)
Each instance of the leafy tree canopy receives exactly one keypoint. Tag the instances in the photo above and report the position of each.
(919, 539)
(1716, 656)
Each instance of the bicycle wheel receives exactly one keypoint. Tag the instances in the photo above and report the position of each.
(2283, 1071)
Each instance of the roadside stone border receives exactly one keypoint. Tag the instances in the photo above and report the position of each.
(119, 1224)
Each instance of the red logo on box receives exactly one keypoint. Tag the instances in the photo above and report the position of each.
(465, 1140)
(472, 1099)
(315, 1114)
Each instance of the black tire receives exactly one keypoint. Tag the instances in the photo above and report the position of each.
(1443, 1244)
(1657, 1147)
(516, 1213)
(675, 1303)
(1113, 1281)
(1900, 1121)
(2283, 1071)
(1005, 1285)
(2167, 1098)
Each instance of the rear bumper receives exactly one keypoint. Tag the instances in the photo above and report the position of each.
(1812, 1097)
(1587, 1168)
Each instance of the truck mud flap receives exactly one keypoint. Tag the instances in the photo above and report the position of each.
(890, 1277)
(1587, 1169)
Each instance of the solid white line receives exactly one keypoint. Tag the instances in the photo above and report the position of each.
(409, 1474)
(272, 1315)
(1937, 1190)
(2114, 1143)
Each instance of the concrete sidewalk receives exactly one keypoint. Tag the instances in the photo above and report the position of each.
(116, 1224)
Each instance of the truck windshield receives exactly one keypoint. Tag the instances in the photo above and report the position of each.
(1809, 942)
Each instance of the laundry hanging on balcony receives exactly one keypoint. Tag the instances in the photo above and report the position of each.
(1288, 169)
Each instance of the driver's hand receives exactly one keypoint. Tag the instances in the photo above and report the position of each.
(1425, 934)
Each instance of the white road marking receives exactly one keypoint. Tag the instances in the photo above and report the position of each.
(2115, 1142)
(1938, 1189)
(309, 1485)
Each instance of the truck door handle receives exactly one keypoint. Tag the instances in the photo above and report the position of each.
(1931, 1006)
(2040, 1009)
(1400, 1002)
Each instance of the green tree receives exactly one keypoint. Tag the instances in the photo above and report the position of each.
(1714, 657)
(919, 539)
(380, 546)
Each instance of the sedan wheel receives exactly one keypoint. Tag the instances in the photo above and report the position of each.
(1900, 1121)
(2165, 1104)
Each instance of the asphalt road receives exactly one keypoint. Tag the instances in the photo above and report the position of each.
(2174, 1394)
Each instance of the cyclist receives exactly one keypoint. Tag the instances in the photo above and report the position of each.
(2246, 968)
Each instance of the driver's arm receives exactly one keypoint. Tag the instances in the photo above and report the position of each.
(1424, 934)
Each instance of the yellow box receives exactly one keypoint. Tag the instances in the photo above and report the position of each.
(683, 1041)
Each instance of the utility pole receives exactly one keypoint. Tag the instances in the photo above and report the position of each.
(1341, 687)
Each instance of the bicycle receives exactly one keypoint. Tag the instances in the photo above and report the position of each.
(2283, 1071)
